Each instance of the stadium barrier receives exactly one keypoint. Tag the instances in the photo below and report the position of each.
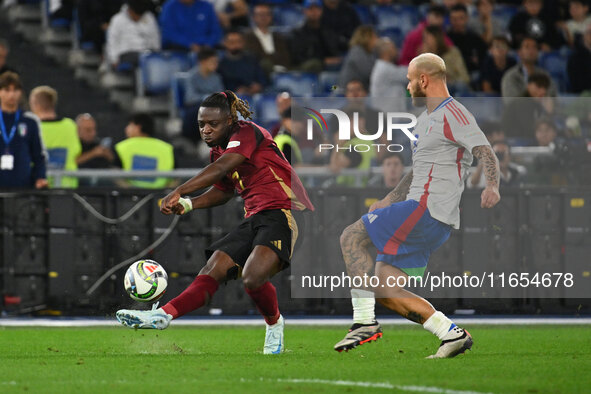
(65, 251)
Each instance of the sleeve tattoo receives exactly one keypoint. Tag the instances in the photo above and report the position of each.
(401, 190)
(490, 164)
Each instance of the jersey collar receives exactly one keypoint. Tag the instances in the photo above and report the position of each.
(443, 103)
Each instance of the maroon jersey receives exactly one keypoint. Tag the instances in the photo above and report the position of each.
(265, 180)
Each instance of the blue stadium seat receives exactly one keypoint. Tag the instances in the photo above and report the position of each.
(287, 17)
(485, 107)
(59, 23)
(555, 63)
(503, 13)
(364, 14)
(401, 16)
(298, 84)
(328, 80)
(266, 109)
(156, 70)
(393, 33)
(178, 88)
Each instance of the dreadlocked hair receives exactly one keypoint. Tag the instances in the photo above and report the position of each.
(228, 101)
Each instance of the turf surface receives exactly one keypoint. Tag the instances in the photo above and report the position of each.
(515, 359)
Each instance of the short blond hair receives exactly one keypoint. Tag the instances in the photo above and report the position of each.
(45, 97)
(430, 64)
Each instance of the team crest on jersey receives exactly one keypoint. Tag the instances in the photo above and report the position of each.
(22, 129)
(233, 144)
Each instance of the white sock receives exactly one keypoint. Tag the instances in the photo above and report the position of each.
(364, 306)
(438, 324)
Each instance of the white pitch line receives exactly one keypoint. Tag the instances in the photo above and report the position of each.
(197, 321)
(381, 385)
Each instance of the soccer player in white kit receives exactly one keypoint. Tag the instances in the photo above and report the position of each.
(417, 216)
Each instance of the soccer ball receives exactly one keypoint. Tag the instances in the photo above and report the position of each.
(145, 281)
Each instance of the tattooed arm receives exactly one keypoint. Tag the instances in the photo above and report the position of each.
(398, 194)
(490, 195)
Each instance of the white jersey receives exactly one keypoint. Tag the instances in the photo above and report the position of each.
(441, 158)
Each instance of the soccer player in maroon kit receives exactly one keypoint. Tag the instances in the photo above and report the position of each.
(244, 158)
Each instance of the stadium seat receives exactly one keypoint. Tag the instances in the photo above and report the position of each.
(77, 34)
(364, 14)
(503, 13)
(403, 17)
(393, 33)
(328, 81)
(296, 83)
(555, 63)
(484, 107)
(156, 69)
(287, 17)
(266, 109)
(59, 23)
(178, 87)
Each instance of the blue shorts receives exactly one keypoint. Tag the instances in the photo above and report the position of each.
(405, 234)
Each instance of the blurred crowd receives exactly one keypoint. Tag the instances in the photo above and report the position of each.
(237, 46)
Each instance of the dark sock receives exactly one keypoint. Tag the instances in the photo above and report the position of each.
(265, 298)
(194, 296)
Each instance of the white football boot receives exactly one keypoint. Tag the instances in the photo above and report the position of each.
(274, 338)
(152, 319)
(455, 342)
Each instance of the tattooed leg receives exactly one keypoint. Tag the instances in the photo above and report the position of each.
(354, 245)
(401, 301)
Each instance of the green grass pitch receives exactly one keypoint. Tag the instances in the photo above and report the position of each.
(504, 359)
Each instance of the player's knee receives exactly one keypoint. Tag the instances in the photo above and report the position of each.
(252, 281)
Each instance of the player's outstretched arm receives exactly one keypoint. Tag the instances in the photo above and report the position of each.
(398, 194)
(211, 174)
(490, 195)
(211, 198)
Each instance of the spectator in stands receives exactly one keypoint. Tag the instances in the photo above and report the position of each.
(189, 25)
(545, 132)
(414, 40)
(240, 70)
(59, 134)
(531, 22)
(270, 48)
(579, 63)
(579, 13)
(314, 46)
(341, 18)
(141, 151)
(510, 173)
(361, 56)
(22, 157)
(387, 79)
(132, 31)
(94, 17)
(95, 153)
(495, 65)
(485, 24)
(457, 73)
(493, 131)
(286, 140)
(283, 102)
(520, 114)
(204, 78)
(61, 10)
(231, 13)
(472, 47)
(4, 51)
(392, 171)
(513, 83)
(344, 158)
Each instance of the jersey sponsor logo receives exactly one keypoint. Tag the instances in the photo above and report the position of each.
(277, 244)
(372, 217)
(233, 144)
